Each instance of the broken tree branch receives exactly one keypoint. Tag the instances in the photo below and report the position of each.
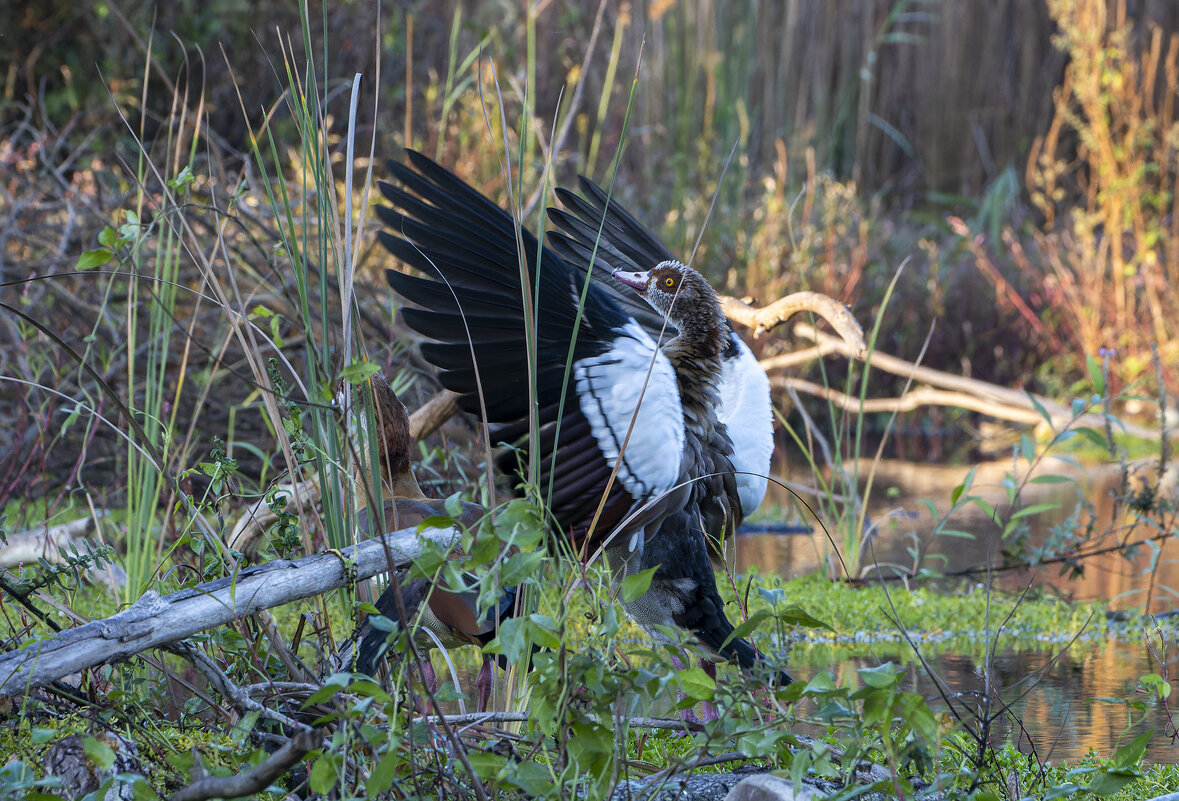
(914, 399)
(993, 400)
(154, 620)
(768, 317)
(257, 778)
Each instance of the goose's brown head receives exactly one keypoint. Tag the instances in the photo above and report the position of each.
(685, 298)
(394, 442)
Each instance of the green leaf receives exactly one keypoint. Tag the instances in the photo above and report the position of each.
(107, 237)
(877, 707)
(534, 778)
(544, 631)
(1095, 374)
(454, 505)
(323, 774)
(486, 764)
(183, 180)
(359, 372)
(986, 506)
(41, 736)
(746, 627)
(367, 688)
(101, 754)
(381, 778)
(512, 640)
(1039, 408)
(332, 685)
(1094, 436)
(93, 258)
(1027, 449)
(435, 521)
(963, 487)
(241, 730)
(141, 790)
(881, 676)
(1156, 683)
(917, 714)
(697, 684)
(635, 585)
(795, 615)
(519, 567)
(1129, 755)
(1051, 479)
(1034, 509)
(1112, 781)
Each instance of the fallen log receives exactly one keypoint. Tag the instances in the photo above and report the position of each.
(154, 620)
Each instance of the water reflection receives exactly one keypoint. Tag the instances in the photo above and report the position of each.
(1055, 697)
(1062, 705)
(897, 511)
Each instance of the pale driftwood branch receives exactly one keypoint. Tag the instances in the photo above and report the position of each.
(432, 414)
(785, 361)
(254, 522)
(257, 778)
(990, 396)
(927, 375)
(154, 620)
(25, 547)
(768, 317)
(914, 399)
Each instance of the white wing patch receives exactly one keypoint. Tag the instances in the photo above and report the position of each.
(608, 389)
(745, 410)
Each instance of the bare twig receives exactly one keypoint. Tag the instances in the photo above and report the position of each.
(240, 699)
(256, 779)
(914, 399)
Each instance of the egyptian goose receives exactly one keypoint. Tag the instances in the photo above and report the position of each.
(437, 615)
(630, 449)
(594, 226)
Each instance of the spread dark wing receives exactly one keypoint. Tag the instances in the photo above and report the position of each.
(472, 256)
(597, 224)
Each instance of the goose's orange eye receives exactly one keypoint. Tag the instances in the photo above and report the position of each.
(669, 282)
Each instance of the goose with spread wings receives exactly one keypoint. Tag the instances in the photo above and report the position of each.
(621, 402)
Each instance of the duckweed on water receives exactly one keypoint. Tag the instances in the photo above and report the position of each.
(944, 618)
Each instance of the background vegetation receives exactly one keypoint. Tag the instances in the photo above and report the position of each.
(175, 215)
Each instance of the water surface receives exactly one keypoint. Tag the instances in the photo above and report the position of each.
(1067, 701)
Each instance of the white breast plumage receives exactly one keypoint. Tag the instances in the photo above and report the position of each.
(609, 387)
(747, 414)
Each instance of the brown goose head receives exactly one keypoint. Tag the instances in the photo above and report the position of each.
(394, 441)
(688, 301)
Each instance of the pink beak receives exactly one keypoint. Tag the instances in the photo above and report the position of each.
(636, 281)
